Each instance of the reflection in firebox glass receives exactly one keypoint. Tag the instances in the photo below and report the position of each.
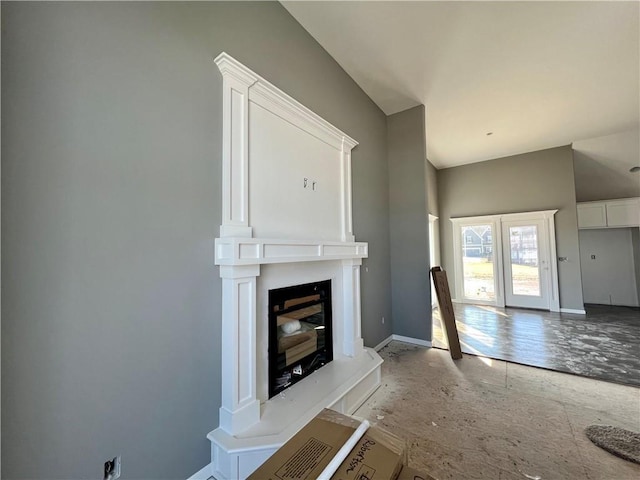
(299, 333)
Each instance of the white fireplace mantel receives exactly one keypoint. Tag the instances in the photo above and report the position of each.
(286, 189)
(250, 251)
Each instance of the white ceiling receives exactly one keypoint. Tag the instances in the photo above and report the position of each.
(536, 74)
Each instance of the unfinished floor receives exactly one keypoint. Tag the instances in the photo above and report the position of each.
(478, 418)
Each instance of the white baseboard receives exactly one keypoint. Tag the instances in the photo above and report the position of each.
(616, 305)
(383, 343)
(573, 310)
(413, 341)
(203, 474)
(400, 338)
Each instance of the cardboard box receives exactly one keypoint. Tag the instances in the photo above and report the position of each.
(379, 455)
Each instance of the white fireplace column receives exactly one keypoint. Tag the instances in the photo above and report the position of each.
(237, 80)
(353, 343)
(240, 407)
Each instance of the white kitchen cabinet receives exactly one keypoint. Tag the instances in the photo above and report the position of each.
(592, 215)
(623, 212)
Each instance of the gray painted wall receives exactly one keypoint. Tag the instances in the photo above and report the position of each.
(602, 166)
(609, 278)
(111, 158)
(596, 181)
(432, 190)
(541, 180)
(408, 224)
(433, 209)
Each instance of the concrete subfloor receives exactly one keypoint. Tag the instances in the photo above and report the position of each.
(478, 418)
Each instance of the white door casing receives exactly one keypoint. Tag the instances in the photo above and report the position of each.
(434, 254)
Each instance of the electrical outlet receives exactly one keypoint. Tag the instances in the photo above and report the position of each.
(383, 320)
(112, 469)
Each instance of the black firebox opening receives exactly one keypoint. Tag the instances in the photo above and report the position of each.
(300, 334)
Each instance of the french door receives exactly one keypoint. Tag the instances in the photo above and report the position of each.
(507, 260)
(526, 264)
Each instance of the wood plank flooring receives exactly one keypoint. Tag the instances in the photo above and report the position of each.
(603, 344)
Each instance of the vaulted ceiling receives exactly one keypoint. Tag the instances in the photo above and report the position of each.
(497, 78)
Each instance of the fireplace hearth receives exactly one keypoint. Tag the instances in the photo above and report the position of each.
(300, 333)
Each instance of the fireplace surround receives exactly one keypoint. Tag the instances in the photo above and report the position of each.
(286, 220)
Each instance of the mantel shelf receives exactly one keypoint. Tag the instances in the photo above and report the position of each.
(257, 251)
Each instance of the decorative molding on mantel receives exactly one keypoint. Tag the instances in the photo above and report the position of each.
(230, 66)
(241, 87)
(275, 100)
(255, 251)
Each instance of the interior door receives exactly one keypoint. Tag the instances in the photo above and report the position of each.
(526, 264)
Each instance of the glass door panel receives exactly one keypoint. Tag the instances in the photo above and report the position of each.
(479, 281)
(525, 267)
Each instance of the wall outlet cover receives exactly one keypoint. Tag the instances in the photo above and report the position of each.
(112, 469)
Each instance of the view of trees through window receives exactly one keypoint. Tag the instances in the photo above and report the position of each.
(477, 262)
(525, 271)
